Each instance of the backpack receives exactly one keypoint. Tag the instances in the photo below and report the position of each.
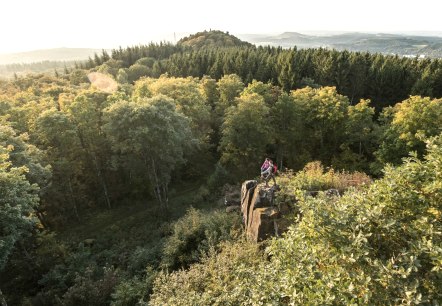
(275, 168)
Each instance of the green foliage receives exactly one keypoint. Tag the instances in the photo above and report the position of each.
(146, 61)
(18, 201)
(78, 76)
(124, 242)
(267, 91)
(187, 96)
(209, 90)
(314, 178)
(229, 87)
(289, 132)
(137, 71)
(135, 291)
(319, 124)
(219, 177)
(25, 154)
(56, 133)
(195, 234)
(245, 135)
(384, 79)
(154, 133)
(90, 289)
(111, 67)
(379, 245)
(122, 76)
(220, 279)
(406, 125)
(97, 156)
(324, 112)
(361, 138)
(372, 247)
(211, 39)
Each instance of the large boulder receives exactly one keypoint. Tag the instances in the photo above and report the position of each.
(262, 223)
(262, 218)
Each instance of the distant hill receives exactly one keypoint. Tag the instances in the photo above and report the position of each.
(212, 39)
(421, 44)
(57, 54)
(51, 67)
(401, 44)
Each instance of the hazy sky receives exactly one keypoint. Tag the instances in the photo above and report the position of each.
(38, 24)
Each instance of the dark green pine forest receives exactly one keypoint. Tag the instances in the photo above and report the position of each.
(113, 173)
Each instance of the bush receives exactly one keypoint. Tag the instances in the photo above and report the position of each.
(194, 234)
(90, 289)
(218, 178)
(314, 178)
(220, 279)
(146, 61)
(142, 257)
(135, 291)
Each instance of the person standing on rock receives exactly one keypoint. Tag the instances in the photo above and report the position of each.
(264, 166)
(268, 171)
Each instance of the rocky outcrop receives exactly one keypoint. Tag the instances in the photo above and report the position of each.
(262, 218)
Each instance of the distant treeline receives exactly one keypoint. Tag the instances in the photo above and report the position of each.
(38, 67)
(385, 80)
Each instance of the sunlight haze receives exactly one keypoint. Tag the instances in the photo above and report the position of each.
(30, 25)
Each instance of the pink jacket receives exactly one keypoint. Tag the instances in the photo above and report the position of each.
(265, 165)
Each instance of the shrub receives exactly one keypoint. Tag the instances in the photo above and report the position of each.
(135, 291)
(314, 178)
(194, 234)
(141, 257)
(218, 178)
(90, 289)
(220, 279)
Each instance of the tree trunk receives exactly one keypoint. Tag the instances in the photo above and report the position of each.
(102, 182)
(157, 183)
(157, 191)
(321, 140)
(166, 197)
(74, 203)
(280, 157)
(281, 161)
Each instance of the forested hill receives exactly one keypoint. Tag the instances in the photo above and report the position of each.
(212, 39)
(384, 79)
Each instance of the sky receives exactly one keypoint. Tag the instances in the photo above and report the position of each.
(42, 24)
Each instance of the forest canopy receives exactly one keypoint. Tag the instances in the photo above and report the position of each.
(109, 194)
